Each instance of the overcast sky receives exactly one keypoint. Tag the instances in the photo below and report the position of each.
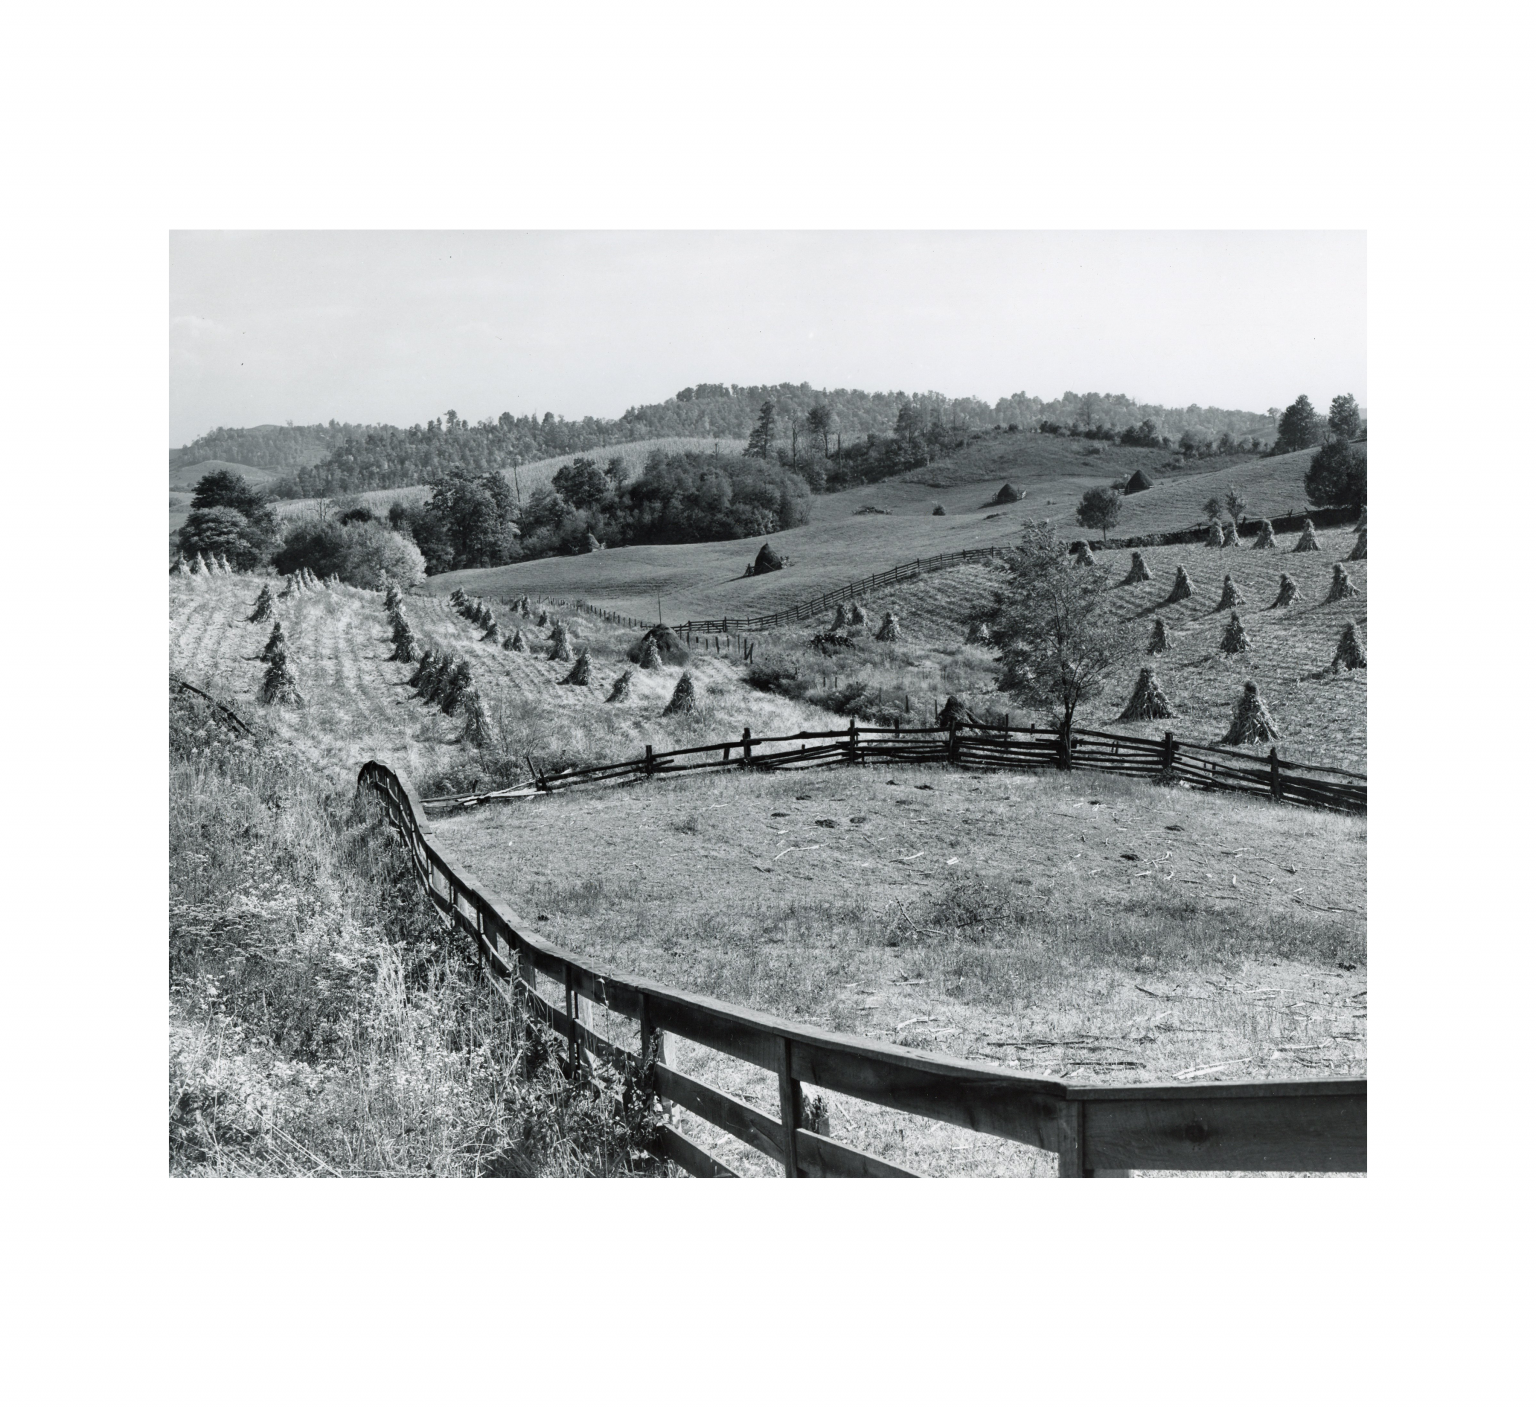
(399, 327)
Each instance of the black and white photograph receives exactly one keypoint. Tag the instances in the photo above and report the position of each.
(753, 760)
(601, 775)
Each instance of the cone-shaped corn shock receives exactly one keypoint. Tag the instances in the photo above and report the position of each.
(683, 700)
(650, 656)
(391, 595)
(1308, 540)
(405, 642)
(856, 615)
(581, 671)
(456, 598)
(1085, 557)
(526, 609)
(890, 628)
(1147, 700)
(423, 671)
(1251, 721)
(1266, 537)
(1350, 654)
(517, 643)
(1358, 552)
(840, 620)
(180, 569)
(288, 588)
(477, 723)
(279, 685)
(1287, 593)
(455, 683)
(620, 691)
(1342, 587)
(543, 618)
(1234, 640)
(494, 634)
(1160, 639)
(1138, 572)
(276, 642)
(1229, 535)
(1230, 596)
(1183, 588)
(1213, 536)
(263, 607)
(560, 643)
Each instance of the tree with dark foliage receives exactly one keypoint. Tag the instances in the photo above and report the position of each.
(1344, 418)
(1099, 508)
(1336, 476)
(760, 442)
(1299, 427)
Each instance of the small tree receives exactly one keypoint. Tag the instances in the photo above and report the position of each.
(1058, 631)
(1336, 475)
(760, 441)
(1099, 508)
(1299, 427)
(818, 420)
(1234, 503)
(1344, 418)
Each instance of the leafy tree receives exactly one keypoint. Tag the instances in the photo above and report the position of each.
(1234, 503)
(582, 484)
(1213, 508)
(1344, 417)
(760, 442)
(1099, 508)
(222, 488)
(1058, 629)
(316, 543)
(371, 551)
(818, 420)
(1336, 476)
(223, 530)
(477, 517)
(1299, 427)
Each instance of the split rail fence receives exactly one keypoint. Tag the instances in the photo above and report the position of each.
(976, 745)
(1316, 1126)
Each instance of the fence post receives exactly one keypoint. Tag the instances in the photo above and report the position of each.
(1169, 746)
(789, 1110)
(650, 760)
(1276, 787)
(853, 741)
(954, 741)
(570, 1012)
(746, 747)
(1069, 1140)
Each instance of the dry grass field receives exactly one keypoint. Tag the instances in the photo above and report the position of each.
(1084, 928)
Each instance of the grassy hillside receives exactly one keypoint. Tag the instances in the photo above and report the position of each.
(187, 476)
(1271, 487)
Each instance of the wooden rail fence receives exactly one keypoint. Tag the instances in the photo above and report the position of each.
(1292, 1126)
(1167, 759)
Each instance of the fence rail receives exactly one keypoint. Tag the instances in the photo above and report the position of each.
(1292, 1126)
(1168, 759)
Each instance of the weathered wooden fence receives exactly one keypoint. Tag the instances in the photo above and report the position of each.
(1168, 759)
(1292, 1126)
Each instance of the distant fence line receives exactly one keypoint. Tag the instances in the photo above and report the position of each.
(976, 745)
(1291, 1126)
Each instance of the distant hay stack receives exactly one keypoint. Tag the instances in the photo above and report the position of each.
(857, 616)
(1214, 538)
(1234, 640)
(581, 671)
(1251, 722)
(1085, 557)
(180, 569)
(431, 673)
(493, 635)
(1350, 654)
(543, 618)
(890, 628)
(1138, 571)
(1007, 495)
(1147, 700)
(517, 643)
(1287, 593)
(840, 620)
(404, 641)
(669, 649)
(457, 599)
(263, 608)
(290, 588)
(477, 722)
(1357, 554)
(1342, 587)
(650, 656)
(593, 544)
(938, 511)
(1308, 540)
(1266, 538)
(277, 642)
(767, 560)
(423, 664)
(1160, 641)
(560, 642)
(1230, 596)
(1229, 535)
(391, 595)
(620, 691)
(683, 700)
(1183, 588)
(279, 686)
